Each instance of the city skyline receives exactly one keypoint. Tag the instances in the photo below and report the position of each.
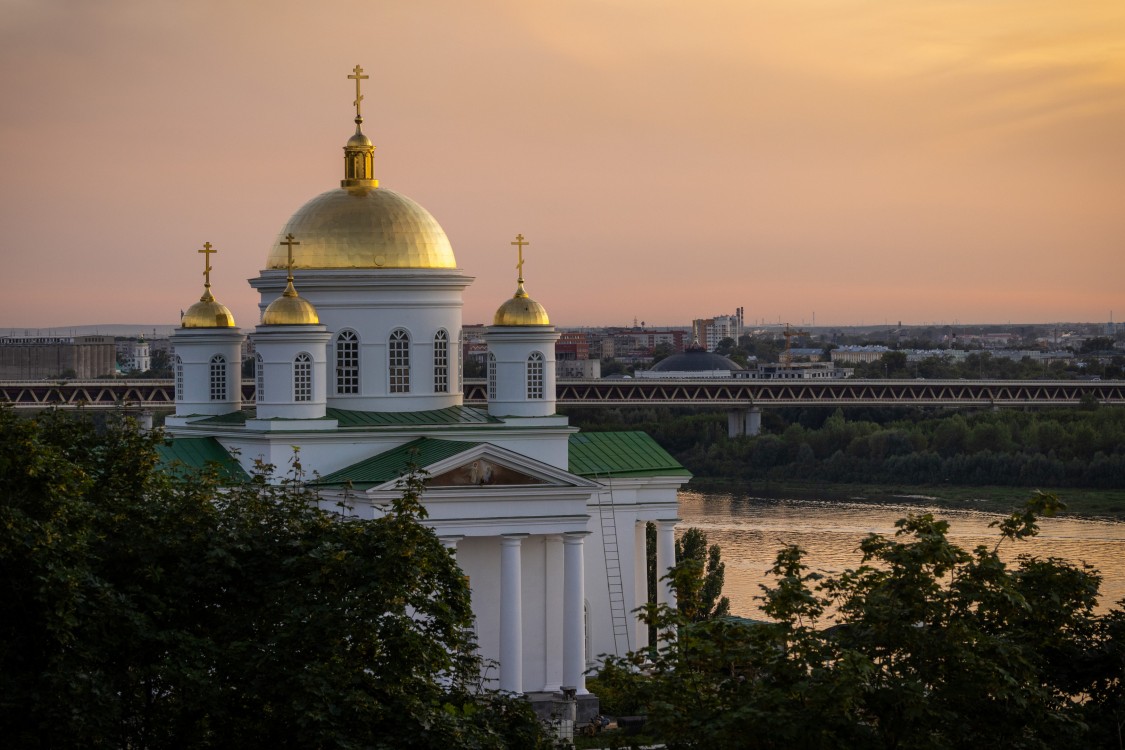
(866, 161)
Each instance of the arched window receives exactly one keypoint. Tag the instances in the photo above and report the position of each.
(535, 375)
(218, 378)
(491, 376)
(302, 378)
(347, 362)
(179, 378)
(259, 379)
(441, 362)
(398, 361)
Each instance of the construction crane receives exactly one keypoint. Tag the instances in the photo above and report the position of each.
(789, 333)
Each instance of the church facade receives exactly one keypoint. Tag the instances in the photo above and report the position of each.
(361, 371)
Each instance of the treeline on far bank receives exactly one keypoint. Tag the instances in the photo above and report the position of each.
(1060, 447)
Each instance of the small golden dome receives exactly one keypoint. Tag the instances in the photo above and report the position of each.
(290, 309)
(521, 310)
(359, 140)
(364, 228)
(207, 313)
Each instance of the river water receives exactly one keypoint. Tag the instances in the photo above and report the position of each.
(751, 530)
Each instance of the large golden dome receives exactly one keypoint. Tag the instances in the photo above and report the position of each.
(363, 228)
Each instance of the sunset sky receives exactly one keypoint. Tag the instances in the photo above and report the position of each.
(863, 160)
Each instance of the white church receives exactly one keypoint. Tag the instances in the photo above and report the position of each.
(358, 362)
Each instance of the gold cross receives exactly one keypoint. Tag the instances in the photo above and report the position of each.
(207, 250)
(357, 77)
(289, 242)
(520, 242)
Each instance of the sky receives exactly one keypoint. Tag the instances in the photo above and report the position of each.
(837, 162)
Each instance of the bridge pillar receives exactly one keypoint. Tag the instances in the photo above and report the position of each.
(742, 422)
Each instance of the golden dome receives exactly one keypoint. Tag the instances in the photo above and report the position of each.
(521, 310)
(290, 309)
(207, 313)
(359, 140)
(364, 228)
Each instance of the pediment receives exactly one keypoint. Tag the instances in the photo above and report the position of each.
(483, 471)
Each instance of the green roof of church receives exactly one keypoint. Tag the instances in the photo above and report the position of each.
(621, 454)
(396, 462)
(199, 454)
(451, 415)
(348, 418)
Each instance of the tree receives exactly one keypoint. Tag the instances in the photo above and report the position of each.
(150, 609)
(930, 646)
(698, 578)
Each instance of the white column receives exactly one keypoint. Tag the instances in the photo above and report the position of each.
(553, 612)
(450, 543)
(511, 614)
(640, 581)
(574, 612)
(665, 559)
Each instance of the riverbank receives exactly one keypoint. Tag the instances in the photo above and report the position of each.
(1081, 503)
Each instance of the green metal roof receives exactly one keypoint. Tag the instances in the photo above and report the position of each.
(234, 417)
(198, 454)
(394, 463)
(349, 419)
(621, 454)
(452, 415)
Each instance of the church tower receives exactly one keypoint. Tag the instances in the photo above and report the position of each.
(521, 355)
(290, 359)
(207, 354)
(380, 272)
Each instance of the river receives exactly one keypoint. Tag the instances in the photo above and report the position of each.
(751, 530)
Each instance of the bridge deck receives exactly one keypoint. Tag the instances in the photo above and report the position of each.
(160, 394)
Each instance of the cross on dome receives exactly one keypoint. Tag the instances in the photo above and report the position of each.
(289, 242)
(207, 250)
(519, 243)
(357, 76)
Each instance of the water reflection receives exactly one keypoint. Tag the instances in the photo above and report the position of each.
(751, 530)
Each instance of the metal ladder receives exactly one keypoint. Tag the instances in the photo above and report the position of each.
(613, 571)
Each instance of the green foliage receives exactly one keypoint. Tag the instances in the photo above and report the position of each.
(929, 646)
(1050, 448)
(698, 578)
(147, 610)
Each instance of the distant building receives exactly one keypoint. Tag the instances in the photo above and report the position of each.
(134, 355)
(853, 354)
(578, 369)
(38, 357)
(796, 371)
(708, 332)
(692, 363)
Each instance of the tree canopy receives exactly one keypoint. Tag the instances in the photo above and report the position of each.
(149, 609)
(922, 645)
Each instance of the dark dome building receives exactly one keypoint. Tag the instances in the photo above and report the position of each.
(692, 363)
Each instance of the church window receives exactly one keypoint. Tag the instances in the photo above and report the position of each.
(491, 376)
(441, 362)
(259, 379)
(347, 363)
(535, 376)
(179, 378)
(302, 378)
(218, 378)
(398, 361)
